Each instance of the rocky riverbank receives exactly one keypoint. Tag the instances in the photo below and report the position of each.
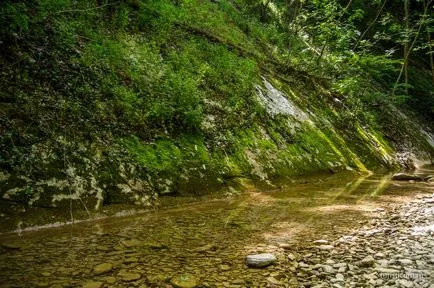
(396, 249)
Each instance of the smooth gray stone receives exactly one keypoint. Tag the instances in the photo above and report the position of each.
(260, 260)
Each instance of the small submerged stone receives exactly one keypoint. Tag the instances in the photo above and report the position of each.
(260, 260)
(205, 248)
(102, 248)
(131, 260)
(131, 243)
(128, 277)
(184, 281)
(156, 245)
(225, 267)
(238, 282)
(102, 268)
(110, 280)
(93, 284)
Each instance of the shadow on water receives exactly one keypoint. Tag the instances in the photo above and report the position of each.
(201, 237)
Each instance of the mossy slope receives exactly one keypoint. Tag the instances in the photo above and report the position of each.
(128, 100)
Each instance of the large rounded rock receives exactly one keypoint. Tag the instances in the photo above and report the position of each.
(260, 260)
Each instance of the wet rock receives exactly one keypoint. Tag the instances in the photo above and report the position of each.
(260, 260)
(274, 281)
(429, 200)
(102, 248)
(205, 248)
(328, 269)
(11, 246)
(131, 260)
(184, 281)
(303, 265)
(325, 247)
(102, 268)
(157, 278)
(110, 280)
(131, 243)
(405, 262)
(225, 267)
(321, 242)
(128, 277)
(339, 277)
(405, 283)
(406, 177)
(385, 270)
(291, 257)
(156, 245)
(368, 261)
(340, 265)
(238, 282)
(93, 284)
(285, 246)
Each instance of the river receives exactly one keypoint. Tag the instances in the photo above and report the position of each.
(206, 240)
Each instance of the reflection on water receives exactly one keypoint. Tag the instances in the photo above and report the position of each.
(197, 238)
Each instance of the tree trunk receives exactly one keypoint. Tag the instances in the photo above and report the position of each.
(416, 36)
(428, 34)
(406, 46)
(431, 60)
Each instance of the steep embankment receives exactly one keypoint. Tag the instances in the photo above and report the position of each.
(124, 101)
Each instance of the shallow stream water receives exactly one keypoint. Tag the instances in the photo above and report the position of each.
(206, 240)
